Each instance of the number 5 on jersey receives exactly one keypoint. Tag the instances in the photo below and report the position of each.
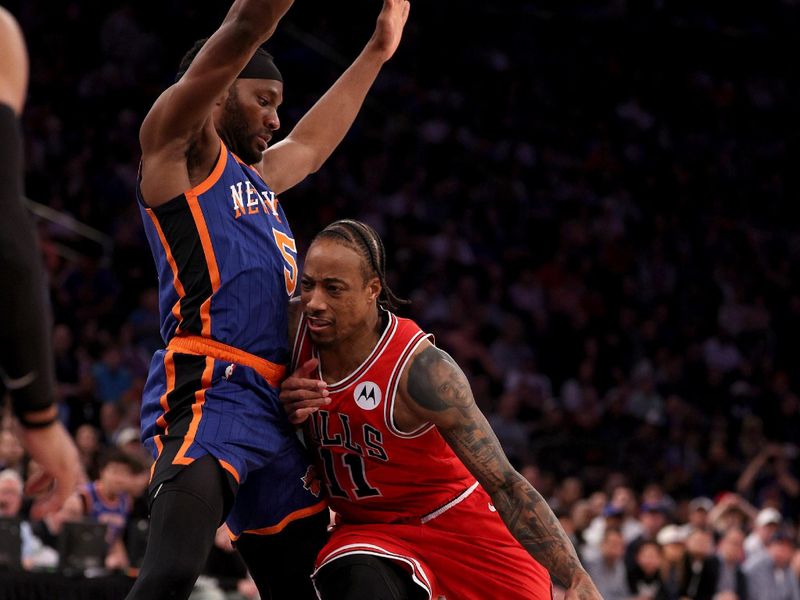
(289, 252)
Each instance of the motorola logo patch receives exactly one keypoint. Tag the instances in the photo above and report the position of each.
(367, 395)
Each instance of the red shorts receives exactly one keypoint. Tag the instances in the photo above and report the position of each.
(464, 553)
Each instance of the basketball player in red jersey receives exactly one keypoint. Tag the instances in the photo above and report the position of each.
(401, 444)
(227, 266)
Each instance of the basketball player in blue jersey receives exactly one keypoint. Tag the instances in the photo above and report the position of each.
(226, 261)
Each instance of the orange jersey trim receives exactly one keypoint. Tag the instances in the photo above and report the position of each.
(193, 344)
(229, 468)
(211, 260)
(197, 415)
(294, 516)
(176, 283)
(159, 449)
(169, 370)
(216, 173)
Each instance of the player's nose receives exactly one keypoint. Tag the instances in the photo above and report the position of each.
(271, 120)
(315, 300)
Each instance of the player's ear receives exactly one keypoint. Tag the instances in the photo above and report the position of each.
(374, 288)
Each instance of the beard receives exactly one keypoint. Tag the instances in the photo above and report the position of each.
(235, 132)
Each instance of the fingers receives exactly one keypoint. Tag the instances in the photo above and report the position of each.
(38, 483)
(299, 416)
(304, 391)
(51, 502)
(54, 451)
(302, 394)
(306, 369)
(299, 410)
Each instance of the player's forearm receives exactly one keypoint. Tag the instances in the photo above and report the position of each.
(325, 125)
(25, 357)
(532, 522)
(26, 363)
(256, 19)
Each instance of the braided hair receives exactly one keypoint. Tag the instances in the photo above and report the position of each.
(365, 240)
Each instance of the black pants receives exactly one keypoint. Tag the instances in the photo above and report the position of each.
(281, 564)
(366, 577)
(184, 516)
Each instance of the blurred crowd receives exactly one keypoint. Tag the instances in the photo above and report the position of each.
(586, 204)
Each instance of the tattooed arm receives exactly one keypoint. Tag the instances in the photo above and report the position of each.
(436, 390)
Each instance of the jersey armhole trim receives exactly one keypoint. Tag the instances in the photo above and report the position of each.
(394, 383)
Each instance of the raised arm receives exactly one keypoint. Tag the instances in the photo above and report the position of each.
(178, 138)
(13, 63)
(185, 107)
(436, 390)
(323, 127)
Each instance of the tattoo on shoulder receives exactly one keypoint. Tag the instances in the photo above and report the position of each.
(436, 382)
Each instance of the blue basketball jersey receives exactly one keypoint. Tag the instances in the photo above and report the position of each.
(226, 261)
(101, 510)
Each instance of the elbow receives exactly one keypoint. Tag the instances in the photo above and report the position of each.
(315, 166)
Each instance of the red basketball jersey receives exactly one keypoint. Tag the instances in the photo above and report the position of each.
(375, 473)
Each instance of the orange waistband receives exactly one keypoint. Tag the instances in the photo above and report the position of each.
(201, 346)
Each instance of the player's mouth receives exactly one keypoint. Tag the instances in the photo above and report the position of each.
(315, 324)
(263, 142)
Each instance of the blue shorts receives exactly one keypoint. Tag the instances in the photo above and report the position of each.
(195, 405)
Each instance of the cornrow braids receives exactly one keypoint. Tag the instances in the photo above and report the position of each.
(365, 240)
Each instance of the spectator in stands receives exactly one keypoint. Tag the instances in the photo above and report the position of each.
(33, 552)
(652, 516)
(730, 554)
(766, 524)
(672, 539)
(701, 569)
(769, 576)
(699, 508)
(731, 510)
(768, 477)
(644, 579)
(12, 454)
(87, 439)
(108, 500)
(608, 571)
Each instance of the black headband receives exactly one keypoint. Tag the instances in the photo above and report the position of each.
(261, 66)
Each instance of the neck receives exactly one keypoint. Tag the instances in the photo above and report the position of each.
(344, 357)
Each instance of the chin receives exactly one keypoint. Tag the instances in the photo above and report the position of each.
(322, 340)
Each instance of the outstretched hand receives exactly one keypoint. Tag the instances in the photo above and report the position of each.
(389, 28)
(301, 394)
(61, 471)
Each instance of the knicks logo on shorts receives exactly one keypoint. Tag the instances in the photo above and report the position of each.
(367, 395)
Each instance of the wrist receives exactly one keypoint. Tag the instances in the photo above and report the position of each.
(39, 419)
(578, 576)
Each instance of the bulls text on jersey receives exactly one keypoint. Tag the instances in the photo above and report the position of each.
(332, 430)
